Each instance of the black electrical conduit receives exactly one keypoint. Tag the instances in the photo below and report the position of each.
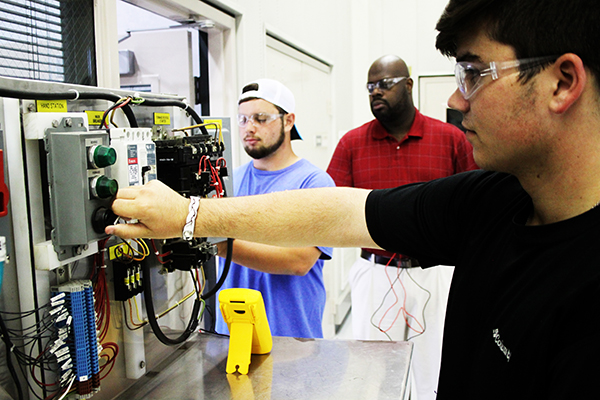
(100, 95)
(193, 322)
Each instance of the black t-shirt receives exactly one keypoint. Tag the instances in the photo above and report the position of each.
(524, 305)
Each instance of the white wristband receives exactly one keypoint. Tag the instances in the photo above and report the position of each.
(190, 221)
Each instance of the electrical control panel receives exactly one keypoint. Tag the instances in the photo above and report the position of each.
(68, 151)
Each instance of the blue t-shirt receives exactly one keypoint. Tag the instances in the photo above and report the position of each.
(294, 304)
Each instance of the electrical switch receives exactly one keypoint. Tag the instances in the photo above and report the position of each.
(103, 187)
(102, 156)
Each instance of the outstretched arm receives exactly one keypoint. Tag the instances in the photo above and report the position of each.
(308, 217)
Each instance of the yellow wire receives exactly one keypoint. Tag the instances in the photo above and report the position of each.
(217, 127)
(168, 310)
(133, 251)
(137, 311)
(112, 114)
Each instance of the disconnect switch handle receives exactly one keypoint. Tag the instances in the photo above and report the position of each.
(4, 195)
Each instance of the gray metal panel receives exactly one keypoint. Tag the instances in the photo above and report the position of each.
(71, 204)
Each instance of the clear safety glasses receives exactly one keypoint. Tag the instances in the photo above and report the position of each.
(469, 75)
(384, 84)
(258, 118)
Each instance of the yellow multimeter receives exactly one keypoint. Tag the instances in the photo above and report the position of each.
(244, 312)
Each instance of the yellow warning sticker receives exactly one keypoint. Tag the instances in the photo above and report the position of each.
(51, 105)
(162, 119)
(94, 117)
(217, 122)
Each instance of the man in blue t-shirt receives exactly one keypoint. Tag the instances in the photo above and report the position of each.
(290, 279)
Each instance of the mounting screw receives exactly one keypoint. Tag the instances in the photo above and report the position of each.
(142, 364)
(54, 123)
(68, 122)
(30, 108)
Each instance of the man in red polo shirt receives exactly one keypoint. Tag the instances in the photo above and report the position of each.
(391, 297)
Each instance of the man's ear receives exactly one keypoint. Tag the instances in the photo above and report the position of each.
(571, 77)
(290, 120)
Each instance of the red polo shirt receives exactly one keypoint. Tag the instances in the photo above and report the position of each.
(369, 157)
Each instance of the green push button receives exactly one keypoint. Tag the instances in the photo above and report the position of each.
(103, 156)
(103, 187)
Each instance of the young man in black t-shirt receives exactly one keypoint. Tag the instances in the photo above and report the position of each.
(520, 314)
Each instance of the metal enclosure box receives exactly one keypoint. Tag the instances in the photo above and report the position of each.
(72, 206)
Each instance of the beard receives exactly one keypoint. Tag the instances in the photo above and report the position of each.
(389, 114)
(265, 151)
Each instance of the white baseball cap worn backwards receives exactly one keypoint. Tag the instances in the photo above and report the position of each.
(275, 93)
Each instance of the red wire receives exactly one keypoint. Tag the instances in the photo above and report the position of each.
(115, 349)
(198, 280)
(102, 303)
(395, 295)
(159, 256)
(126, 101)
(215, 180)
(35, 378)
(402, 309)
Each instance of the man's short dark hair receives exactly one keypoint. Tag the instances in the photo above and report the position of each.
(534, 28)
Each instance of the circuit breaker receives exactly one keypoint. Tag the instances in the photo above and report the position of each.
(136, 163)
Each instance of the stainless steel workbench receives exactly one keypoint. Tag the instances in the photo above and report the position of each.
(295, 369)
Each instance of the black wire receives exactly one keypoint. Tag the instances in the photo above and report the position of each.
(225, 272)
(213, 332)
(105, 115)
(148, 300)
(9, 364)
(175, 103)
(193, 322)
(24, 313)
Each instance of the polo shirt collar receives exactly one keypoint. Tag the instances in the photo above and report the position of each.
(416, 129)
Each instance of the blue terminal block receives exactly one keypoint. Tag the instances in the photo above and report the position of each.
(83, 342)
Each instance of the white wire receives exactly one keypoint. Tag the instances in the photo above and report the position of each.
(68, 388)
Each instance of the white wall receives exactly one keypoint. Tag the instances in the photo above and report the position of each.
(349, 33)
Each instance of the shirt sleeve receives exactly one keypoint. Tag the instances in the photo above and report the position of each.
(429, 221)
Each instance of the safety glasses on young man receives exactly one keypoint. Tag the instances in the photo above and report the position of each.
(469, 75)
(384, 84)
(258, 118)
